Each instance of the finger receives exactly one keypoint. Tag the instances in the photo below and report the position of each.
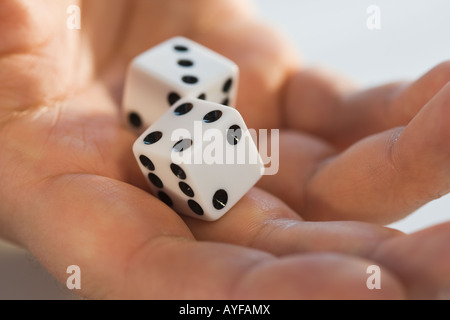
(129, 245)
(24, 25)
(385, 176)
(322, 276)
(412, 97)
(35, 54)
(314, 103)
(421, 260)
(296, 157)
(173, 17)
(343, 115)
(263, 222)
(264, 57)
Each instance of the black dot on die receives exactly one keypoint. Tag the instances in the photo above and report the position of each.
(153, 137)
(227, 85)
(195, 207)
(234, 135)
(183, 109)
(177, 171)
(180, 48)
(165, 198)
(146, 162)
(182, 145)
(185, 63)
(155, 180)
(187, 190)
(226, 102)
(173, 97)
(202, 96)
(212, 116)
(220, 199)
(135, 119)
(190, 79)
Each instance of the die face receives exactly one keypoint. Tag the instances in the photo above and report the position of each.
(204, 162)
(172, 70)
(167, 181)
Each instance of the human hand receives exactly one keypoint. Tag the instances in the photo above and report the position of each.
(72, 194)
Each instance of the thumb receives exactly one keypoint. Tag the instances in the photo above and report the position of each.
(36, 51)
(25, 24)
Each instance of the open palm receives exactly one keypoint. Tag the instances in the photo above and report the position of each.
(72, 193)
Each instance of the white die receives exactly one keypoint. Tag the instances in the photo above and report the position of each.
(172, 70)
(197, 161)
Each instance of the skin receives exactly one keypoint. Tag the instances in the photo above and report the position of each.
(350, 161)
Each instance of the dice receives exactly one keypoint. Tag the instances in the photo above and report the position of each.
(199, 158)
(174, 69)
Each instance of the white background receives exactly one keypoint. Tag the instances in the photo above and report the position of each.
(414, 36)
